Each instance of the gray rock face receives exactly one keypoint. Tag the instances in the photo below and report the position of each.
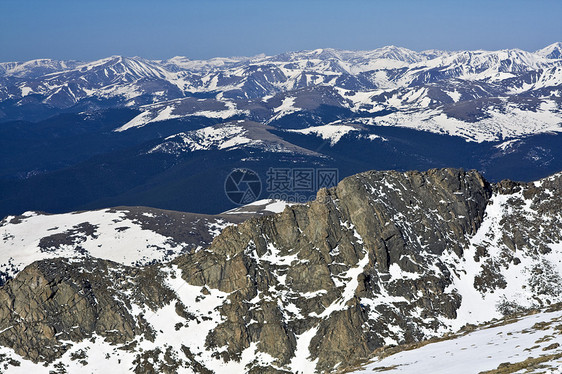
(340, 248)
(383, 258)
(54, 301)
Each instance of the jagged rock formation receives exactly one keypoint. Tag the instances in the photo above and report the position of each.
(52, 302)
(341, 236)
(383, 258)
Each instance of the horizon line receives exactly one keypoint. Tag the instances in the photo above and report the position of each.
(262, 54)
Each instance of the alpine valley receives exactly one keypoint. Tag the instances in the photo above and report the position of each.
(439, 249)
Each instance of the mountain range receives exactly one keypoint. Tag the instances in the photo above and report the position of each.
(131, 131)
(443, 89)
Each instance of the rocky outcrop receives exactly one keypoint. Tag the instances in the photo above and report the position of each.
(383, 258)
(51, 302)
(312, 253)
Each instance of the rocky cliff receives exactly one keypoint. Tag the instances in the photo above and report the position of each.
(383, 258)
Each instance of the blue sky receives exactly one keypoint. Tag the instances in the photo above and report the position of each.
(86, 29)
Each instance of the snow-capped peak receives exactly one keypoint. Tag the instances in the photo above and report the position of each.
(35, 68)
(553, 51)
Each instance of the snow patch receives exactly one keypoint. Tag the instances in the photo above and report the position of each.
(333, 133)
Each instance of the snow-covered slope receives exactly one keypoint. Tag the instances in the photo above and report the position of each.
(529, 344)
(182, 108)
(130, 236)
(228, 136)
(496, 121)
(553, 51)
(506, 270)
(264, 205)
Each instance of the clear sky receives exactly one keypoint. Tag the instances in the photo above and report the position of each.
(88, 29)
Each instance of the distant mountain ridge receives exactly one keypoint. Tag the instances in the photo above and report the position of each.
(133, 131)
(439, 86)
